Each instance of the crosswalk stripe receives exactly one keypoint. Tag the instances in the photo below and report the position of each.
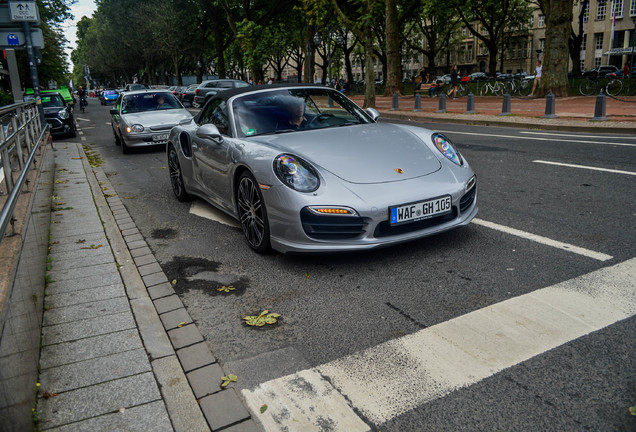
(385, 381)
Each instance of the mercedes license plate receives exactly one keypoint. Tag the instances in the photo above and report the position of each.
(420, 210)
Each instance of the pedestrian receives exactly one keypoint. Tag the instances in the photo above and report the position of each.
(422, 78)
(454, 81)
(537, 77)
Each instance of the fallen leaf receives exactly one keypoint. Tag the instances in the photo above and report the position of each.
(110, 195)
(307, 275)
(228, 379)
(264, 318)
(632, 410)
(92, 247)
(263, 408)
(81, 241)
(129, 197)
(174, 281)
(47, 395)
(226, 289)
(77, 158)
(181, 324)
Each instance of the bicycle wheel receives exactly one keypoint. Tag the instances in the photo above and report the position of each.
(507, 87)
(524, 87)
(499, 88)
(484, 89)
(587, 87)
(614, 87)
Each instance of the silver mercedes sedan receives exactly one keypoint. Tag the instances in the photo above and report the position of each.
(145, 117)
(304, 169)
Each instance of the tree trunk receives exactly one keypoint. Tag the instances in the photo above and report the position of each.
(393, 63)
(555, 60)
(369, 90)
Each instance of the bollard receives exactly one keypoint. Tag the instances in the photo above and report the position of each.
(441, 108)
(395, 103)
(505, 109)
(418, 103)
(550, 106)
(470, 104)
(599, 108)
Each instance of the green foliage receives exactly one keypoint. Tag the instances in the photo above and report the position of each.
(228, 379)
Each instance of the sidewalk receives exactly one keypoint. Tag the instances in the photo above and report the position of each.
(574, 113)
(119, 350)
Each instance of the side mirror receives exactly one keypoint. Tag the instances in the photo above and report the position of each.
(113, 111)
(373, 113)
(209, 131)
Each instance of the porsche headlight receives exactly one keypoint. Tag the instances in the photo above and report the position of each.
(296, 173)
(135, 128)
(444, 145)
(63, 114)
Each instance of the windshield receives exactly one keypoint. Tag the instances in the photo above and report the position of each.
(151, 101)
(290, 110)
(52, 101)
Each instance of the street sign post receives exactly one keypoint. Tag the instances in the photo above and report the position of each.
(16, 38)
(25, 11)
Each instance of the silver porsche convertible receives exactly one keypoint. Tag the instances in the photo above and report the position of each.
(304, 169)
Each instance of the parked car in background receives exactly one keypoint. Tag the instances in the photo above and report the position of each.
(478, 76)
(188, 95)
(136, 86)
(177, 91)
(601, 71)
(209, 88)
(304, 169)
(145, 117)
(108, 96)
(57, 113)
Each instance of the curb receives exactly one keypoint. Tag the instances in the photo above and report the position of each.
(188, 374)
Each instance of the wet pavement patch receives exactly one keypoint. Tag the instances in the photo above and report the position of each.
(164, 233)
(192, 273)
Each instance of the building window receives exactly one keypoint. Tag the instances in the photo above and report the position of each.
(601, 10)
(617, 8)
(464, 31)
(582, 64)
(632, 8)
(597, 61)
(542, 45)
(531, 21)
(598, 41)
(583, 42)
(619, 39)
(586, 13)
(484, 31)
(541, 21)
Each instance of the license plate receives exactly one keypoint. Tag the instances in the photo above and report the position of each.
(420, 210)
(162, 137)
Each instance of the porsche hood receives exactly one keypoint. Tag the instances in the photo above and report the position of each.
(375, 153)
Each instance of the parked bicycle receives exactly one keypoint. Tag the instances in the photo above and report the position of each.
(593, 85)
(518, 86)
(492, 87)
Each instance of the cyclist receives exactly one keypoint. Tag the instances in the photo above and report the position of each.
(81, 93)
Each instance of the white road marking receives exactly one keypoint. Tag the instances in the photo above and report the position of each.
(553, 138)
(392, 378)
(544, 240)
(552, 134)
(202, 209)
(585, 167)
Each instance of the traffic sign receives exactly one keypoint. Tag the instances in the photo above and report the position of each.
(15, 38)
(5, 17)
(24, 11)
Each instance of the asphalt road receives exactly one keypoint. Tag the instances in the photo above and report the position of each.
(338, 305)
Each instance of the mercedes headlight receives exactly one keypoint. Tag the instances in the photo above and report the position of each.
(444, 145)
(296, 173)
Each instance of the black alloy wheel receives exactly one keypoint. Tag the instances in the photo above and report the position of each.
(176, 178)
(252, 213)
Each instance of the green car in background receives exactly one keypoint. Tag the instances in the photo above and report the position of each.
(63, 90)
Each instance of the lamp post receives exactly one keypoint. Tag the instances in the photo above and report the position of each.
(631, 61)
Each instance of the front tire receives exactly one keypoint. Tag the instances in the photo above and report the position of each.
(252, 213)
(176, 176)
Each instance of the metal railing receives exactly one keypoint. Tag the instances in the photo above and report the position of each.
(21, 133)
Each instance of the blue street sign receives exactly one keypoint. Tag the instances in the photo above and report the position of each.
(12, 39)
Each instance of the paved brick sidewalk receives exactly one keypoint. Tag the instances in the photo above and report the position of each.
(106, 363)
